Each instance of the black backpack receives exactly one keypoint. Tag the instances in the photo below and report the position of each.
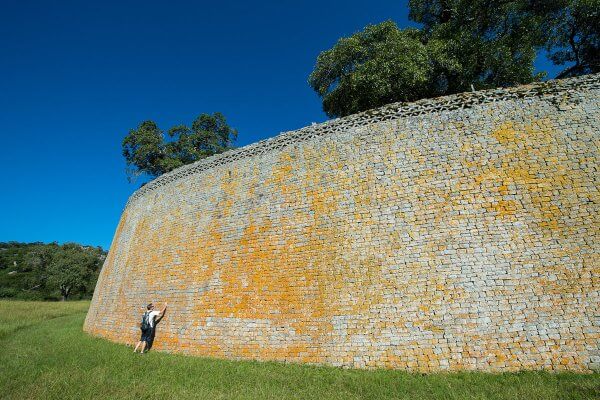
(145, 325)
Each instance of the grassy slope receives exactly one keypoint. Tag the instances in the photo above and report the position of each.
(45, 355)
(17, 315)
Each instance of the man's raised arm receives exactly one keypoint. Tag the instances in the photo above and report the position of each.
(162, 313)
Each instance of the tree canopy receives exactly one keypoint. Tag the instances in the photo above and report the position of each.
(573, 36)
(148, 150)
(461, 45)
(379, 65)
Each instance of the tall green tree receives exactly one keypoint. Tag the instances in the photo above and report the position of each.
(71, 269)
(377, 66)
(143, 149)
(148, 150)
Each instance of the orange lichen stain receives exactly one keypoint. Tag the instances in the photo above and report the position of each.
(530, 164)
(502, 208)
(503, 190)
(506, 135)
(391, 360)
(519, 175)
(533, 167)
(230, 188)
(281, 175)
(253, 287)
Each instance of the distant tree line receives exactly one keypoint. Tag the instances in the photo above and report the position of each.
(38, 271)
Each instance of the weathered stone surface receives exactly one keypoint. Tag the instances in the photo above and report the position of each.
(455, 238)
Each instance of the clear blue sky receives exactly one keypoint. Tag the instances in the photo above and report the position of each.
(75, 76)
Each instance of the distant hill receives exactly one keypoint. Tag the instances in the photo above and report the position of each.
(39, 271)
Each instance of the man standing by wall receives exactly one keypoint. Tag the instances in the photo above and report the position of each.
(148, 325)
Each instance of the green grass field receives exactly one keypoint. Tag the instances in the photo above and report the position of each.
(45, 355)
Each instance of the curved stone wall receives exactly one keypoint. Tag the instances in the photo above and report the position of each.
(459, 233)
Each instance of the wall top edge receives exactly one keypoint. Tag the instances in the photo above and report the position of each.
(550, 88)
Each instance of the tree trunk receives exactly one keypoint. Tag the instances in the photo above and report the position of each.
(65, 293)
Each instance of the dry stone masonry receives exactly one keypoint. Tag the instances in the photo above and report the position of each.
(459, 233)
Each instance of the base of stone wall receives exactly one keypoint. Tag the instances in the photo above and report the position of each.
(411, 367)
